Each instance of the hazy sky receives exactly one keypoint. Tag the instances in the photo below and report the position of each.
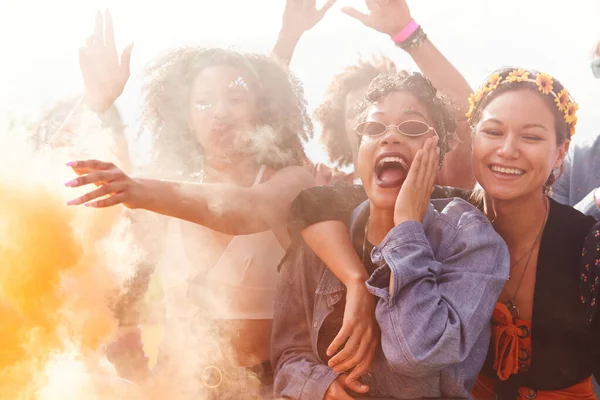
(39, 41)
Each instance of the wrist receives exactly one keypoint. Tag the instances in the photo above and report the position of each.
(99, 106)
(147, 199)
(399, 219)
(356, 281)
(404, 30)
(290, 35)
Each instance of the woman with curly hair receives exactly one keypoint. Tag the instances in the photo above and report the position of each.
(419, 259)
(545, 324)
(234, 123)
(337, 113)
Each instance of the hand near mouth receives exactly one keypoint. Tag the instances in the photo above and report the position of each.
(413, 200)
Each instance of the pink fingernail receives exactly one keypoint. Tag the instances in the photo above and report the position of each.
(71, 203)
(71, 183)
(71, 163)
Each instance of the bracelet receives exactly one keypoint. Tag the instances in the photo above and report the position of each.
(406, 32)
(415, 40)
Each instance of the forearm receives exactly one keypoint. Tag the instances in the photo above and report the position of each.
(457, 170)
(286, 45)
(331, 242)
(69, 125)
(221, 207)
(442, 74)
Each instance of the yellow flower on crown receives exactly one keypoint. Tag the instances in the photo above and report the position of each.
(518, 75)
(544, 83)
(572, 127)
(570, 113)
(562, 100)
(471, 105)
(474, 98)
(493, 82)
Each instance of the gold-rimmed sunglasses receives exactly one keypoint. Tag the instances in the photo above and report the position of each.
(411, 128)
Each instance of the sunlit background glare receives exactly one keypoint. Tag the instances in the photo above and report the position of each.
(39, 40)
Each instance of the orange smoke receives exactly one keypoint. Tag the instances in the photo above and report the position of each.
(55, 284)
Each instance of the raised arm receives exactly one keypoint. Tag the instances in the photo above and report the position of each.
(229, 209)
(299, 16)
(393, 18)
(104, 77)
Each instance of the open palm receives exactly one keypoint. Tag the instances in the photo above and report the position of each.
(103, 74)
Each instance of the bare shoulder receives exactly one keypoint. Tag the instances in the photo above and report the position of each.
(295, 176)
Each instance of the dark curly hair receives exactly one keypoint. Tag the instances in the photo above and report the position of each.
(560, 125)
(421, 88)
(331, 113)
(169, 78)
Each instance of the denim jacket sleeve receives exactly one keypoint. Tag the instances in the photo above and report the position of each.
(442, 299)
(299, 374)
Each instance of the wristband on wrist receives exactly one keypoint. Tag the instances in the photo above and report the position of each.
(406, 32)
(415, 40)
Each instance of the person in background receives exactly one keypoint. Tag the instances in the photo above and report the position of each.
(580, 178)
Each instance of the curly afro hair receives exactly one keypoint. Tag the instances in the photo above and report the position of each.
(166, 91)
(421, 88)
(331, 114)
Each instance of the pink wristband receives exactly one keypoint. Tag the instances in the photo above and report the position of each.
(406, 32)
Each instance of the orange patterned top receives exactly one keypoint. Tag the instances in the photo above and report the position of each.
(511, 346)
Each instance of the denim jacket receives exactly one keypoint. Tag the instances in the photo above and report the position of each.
(447, 271)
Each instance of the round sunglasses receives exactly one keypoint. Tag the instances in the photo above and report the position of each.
(411, 128)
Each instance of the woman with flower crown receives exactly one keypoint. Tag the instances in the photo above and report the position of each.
(544, 331)
(544, 326)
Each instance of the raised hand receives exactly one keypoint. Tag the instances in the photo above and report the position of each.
(110, 181)
(413, 200)
(301, 15)
(385, 16)
(103, 74)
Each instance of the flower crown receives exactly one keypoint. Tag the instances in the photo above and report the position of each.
(544, 83)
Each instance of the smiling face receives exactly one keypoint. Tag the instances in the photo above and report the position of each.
(515, 145)
(223, 111)
(384, 160)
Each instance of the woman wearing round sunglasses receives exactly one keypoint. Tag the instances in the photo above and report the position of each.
(545, 325)
(410, 128)
(435, 268)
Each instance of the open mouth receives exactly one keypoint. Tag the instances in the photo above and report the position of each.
(507, 171)
(391, 171)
